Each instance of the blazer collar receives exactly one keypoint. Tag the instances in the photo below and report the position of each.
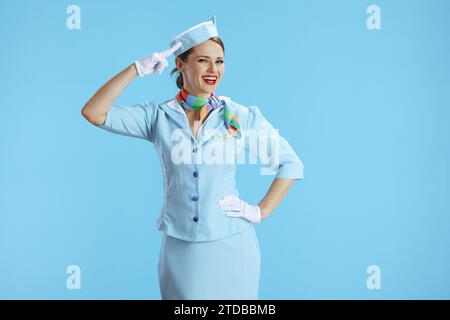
(212, 124)
(173, 104)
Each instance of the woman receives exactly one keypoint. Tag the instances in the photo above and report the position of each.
(209, 248)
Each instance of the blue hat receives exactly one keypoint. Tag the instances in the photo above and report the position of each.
(195, 35)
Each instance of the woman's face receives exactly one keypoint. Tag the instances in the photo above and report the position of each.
(205, 60)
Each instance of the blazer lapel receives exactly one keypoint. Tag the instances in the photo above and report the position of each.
(212, 126)
(176, 112)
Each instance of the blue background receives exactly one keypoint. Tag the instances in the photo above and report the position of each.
(367, 111)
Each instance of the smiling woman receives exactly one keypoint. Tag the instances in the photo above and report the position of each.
(200, 70)
(205, 61)
(209, 249)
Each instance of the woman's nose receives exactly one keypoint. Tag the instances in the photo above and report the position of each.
(212, 67)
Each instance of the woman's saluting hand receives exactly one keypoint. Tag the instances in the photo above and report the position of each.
(155, 62)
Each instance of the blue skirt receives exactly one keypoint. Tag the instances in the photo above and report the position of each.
(226, 269)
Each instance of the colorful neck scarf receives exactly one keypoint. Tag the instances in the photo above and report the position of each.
(205, 105)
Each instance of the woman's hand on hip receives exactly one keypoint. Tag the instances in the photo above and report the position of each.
(235, 207)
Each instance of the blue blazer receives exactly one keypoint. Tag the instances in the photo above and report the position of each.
(199, 171)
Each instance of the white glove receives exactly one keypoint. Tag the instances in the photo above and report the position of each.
(236, 207)
(154, 63)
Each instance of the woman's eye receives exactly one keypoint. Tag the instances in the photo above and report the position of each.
(202, 60)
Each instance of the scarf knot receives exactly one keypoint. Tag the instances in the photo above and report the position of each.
(213, 102)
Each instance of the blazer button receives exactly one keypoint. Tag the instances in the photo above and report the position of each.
(195, 149)
(195, 219)
(195, 198)
(195, 173)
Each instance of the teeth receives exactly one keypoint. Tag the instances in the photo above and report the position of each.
(210, 78)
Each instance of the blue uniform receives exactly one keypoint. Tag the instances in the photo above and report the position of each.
(197, 173)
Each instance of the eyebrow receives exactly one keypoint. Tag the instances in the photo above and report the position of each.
(209, 57)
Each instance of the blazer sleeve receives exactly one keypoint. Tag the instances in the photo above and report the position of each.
(271, 149)
(137, 120)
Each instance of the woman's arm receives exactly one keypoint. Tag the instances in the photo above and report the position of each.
(97, 107)
(277, 191)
